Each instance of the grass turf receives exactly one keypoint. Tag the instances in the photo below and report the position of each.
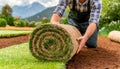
(19, 57)
(13, 33)
(51, 42)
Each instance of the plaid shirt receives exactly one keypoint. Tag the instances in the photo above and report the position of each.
(96, 6)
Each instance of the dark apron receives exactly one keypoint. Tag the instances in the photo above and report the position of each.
(81, 21)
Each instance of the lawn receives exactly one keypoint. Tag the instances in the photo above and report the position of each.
(13, 33)
(19, 57)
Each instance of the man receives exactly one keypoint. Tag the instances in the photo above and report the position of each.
(84, 15)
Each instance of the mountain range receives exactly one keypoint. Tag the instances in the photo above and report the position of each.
(27, 10)
(45, 13)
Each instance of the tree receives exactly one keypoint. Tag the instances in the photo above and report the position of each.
(7, 10)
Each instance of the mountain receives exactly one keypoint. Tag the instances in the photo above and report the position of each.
(28, 10)
(45, 13)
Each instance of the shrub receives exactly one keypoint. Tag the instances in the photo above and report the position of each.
(110, 12)
(10, 20)
(64, 20)
(2, 16)
(3, 22)
(114, 25)
(32, 24)
(21, 23)
(45, 21)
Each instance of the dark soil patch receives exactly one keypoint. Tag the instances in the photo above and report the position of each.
(4, 42)
(105, 56)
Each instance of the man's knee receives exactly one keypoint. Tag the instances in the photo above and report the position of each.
(92, 41)
(91, 45)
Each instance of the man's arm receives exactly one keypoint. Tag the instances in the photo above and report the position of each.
(58, 12)
(90, 30)
(93, 23)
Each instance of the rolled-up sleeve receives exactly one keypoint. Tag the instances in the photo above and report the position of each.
(96, 7)
(60, 7)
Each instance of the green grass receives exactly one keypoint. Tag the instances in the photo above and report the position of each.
(19, 57)
(103, 33)
(13, 33)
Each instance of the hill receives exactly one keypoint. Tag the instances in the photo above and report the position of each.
(45, 13)
(27, 10)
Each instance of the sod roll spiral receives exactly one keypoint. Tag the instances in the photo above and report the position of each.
(54, 42)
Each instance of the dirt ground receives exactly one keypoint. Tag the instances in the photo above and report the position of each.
(105, 56)
(4, 42)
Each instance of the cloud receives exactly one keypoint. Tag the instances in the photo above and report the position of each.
(46, 3)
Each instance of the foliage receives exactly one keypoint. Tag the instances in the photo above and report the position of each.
(110, 12)
(10, 20)
(3, 22)
(16, 18)
(64, 19)
(2, 16)
(114, 25)
(32, 24)
(19, 57)
(44, 21)
(21, 23)
(7, 10)
(13, 33)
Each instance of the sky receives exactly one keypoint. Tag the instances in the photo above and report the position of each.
(46, 3)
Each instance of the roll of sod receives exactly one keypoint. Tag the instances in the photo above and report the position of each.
(114, 35)
(54, 42)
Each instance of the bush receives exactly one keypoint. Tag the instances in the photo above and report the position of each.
(3, 22)
(10, 20)
(64, 20)
(45, 21)
(114, 25)
(2, 16)
(21, 23)
(110, 12)
(32, 24)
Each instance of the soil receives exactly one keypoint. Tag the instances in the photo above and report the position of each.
(105, 56)
(4, 42)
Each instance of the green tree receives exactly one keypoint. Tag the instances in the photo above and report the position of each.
(7, 10)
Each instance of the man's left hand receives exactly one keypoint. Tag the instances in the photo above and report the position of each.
(81, 41)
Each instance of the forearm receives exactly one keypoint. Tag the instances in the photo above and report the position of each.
(55, 18)
(90, 30)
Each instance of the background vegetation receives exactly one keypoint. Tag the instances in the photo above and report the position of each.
(109, 20)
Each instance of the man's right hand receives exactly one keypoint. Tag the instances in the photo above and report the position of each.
(55, 19)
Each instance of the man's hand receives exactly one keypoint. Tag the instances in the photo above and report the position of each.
(81, 40)
(55, 19)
